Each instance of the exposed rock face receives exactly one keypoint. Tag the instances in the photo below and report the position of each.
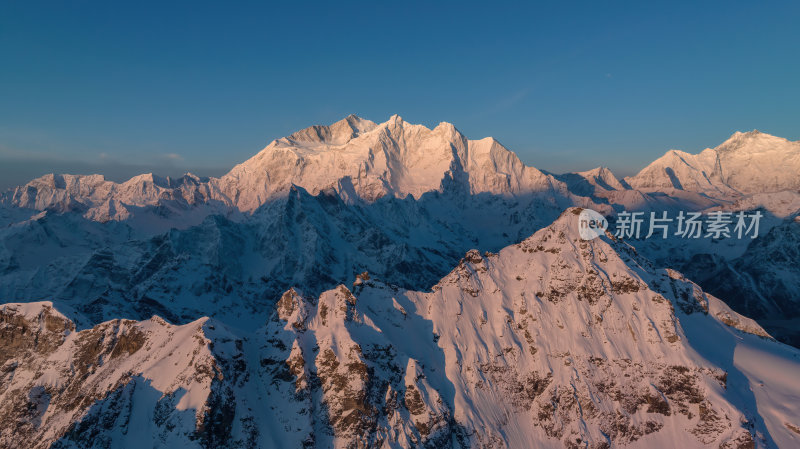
(553, 342)
(314, 209)
(25, 327)
(227, 267)
(589, 345)
(88, 388)
(352, 387)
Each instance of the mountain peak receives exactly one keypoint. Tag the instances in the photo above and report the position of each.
(337, 133)
(601, 177)
(446, 125)
(747, 162)
(565, 228)
(754, 140)
(356, 123)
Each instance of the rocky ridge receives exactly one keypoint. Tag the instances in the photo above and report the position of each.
(555, 342)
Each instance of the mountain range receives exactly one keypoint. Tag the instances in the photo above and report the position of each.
(552, 342)
(308, 299)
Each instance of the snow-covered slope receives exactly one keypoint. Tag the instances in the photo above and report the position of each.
(364, 161)
(317, 207)
(762, 281)
(746, 163)
(119, 384)
(235, 268)
(311, 210)
(552, 342)
(150, 203)
(369, 161)
(355, 157)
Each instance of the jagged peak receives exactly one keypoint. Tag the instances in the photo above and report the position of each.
(445, 125)
(737, 140)
(677, 155)
(746, 134)
(751, 140)
(352, 119)
(396, 124)
(567, 219)
(594, 171)
(565, 228)
(603, 177)
(337, 133)
(161, 181)
(62, 180)
(600, 172)
(292, 306)
(673, 157)
(356, 123)
(31, 310)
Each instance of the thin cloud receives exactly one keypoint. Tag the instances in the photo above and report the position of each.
(510, 101)
(172, 156)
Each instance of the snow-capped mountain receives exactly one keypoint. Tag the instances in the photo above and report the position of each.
(746, 163)
(311, 210)
(235, 268)
(357, 158)
(762, 281)
(314, 209)
(750, 171)
(551, 342)
(363, 161)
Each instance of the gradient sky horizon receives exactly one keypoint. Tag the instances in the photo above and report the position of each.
(121, 89)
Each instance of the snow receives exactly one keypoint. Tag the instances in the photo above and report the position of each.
(403, 202)
(746, 163)
(762, 373)
(361, 196)
(31, 311)
(576, 313)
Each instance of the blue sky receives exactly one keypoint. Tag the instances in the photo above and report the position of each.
(122, 88)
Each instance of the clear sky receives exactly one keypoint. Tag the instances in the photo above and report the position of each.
(120, 88)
